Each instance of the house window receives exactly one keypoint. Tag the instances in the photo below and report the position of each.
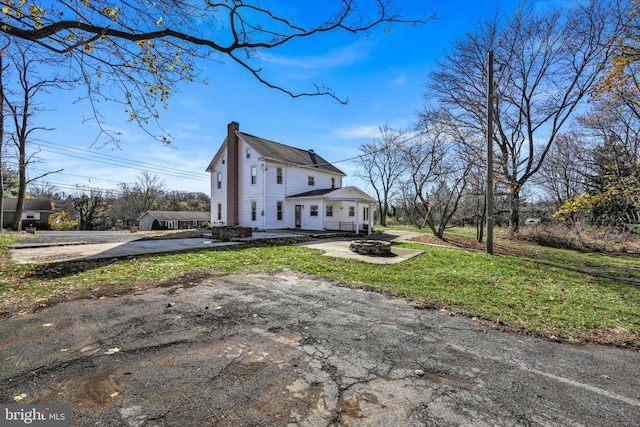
(279, 176)
(248, 153)
(279, 211)
(219, 211)
(352, 211)
(254, 211)
(219, 181)
(313, 210)
(333, 183)
(224, 159)
(329, 210)
(311, 180)
(254, 175)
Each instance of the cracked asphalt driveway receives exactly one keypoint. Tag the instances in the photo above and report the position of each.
(289, 350)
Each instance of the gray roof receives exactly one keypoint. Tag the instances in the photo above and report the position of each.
(283, 153)
(40, 205)
(287, 154)
(178, 215)
(313, 193)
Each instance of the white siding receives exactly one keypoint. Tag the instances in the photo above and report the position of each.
(145, 223)
(298, 180)
(219, 195)
(248, 192)
(275, 193)
(266, 193)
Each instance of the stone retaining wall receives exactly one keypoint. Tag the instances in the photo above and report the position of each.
(227, 233)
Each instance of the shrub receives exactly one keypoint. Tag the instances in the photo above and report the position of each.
(581, 238)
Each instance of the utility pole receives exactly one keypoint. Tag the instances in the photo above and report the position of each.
(489, 196)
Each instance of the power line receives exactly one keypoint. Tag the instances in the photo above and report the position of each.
(84, 154)
(366, 154)
(115, 192)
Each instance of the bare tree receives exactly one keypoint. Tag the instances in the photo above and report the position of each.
(546, 65)
(439, 168)
(91, 209)
(23, 106)
(3, 168)
(135, 52)
(42, 189)
(383, 162)
(144, 195)
(562, 176)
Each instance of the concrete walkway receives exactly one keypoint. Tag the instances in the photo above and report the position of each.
(80, 249)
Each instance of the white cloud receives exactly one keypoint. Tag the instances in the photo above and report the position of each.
(339, 57)
(399, 81)
(357, 132)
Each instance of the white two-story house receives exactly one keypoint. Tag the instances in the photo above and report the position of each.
(263, 184)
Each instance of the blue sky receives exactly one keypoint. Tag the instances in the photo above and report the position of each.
(382, 75)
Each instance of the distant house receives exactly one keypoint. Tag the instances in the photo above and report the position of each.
(263, 184)
(34, 212)
(173, 220)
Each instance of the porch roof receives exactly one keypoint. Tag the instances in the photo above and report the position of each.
(337, 194)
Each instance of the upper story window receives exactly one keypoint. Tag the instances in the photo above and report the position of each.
(248, 153)
(333, 182)
(224, 159)
(311, 180)
(219, 180)
(254, 175)
(279, 176)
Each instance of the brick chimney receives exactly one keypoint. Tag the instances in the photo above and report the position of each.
(232, 173)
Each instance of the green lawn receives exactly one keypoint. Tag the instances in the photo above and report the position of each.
(558, 294)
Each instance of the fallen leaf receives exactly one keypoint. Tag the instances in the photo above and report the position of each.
(177, 317)
(19, 397)
(419, 372)
(46, 325)
(112, 350)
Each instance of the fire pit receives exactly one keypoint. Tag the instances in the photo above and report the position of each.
(371, 247)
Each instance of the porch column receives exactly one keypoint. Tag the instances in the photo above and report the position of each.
(370, 220)
(357, 225)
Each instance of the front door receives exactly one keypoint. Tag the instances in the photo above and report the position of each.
(298, 216)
